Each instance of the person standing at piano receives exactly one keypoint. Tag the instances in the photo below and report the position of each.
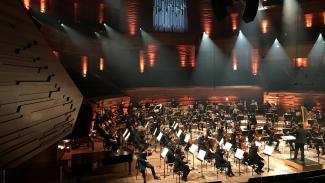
(143, 163)
(301, 139)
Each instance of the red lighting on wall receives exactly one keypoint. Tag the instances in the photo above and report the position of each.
(265, 26)
(309, 20)
(84, 66)
(75, 12)
(152, 54)
(27, 4)
(207, 17)
(132, 13)
(323, 14)
(234, 61)
(101, 64)
(234, 24)
(186, 55)
(101, 13)
(56, 53)
(255, 61)
(141, 61)
(42, 5)
(301, 62)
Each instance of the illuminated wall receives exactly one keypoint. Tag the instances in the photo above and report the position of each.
(132, 16)
(84, 66)
(206, 16)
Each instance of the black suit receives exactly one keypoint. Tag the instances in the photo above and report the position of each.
(180, 165)
(221, 162)
(254, 158)
(301, 139)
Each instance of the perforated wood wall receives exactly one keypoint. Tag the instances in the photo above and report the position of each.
(39, 103)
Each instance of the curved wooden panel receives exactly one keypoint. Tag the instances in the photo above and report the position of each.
(39, 103)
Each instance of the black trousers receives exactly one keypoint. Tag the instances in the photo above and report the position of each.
(148, 165)
(186, 170)
(301, 147)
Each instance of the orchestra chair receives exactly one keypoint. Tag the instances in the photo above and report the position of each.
(178, 175)
(252, 165)
(220, 168)
(171, 165)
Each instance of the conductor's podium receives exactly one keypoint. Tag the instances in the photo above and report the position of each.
(308, 165)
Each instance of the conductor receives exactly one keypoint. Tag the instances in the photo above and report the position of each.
(301, 139)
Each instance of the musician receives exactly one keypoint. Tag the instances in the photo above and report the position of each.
(301, 139)
(180, 164)
(271, 132)
(143, 163)
(254, 158)
(221, 162)
(139, 138)
(251, 135)
(233, 140)
(110, 140)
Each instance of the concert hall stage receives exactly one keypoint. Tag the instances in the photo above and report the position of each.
(308, 165)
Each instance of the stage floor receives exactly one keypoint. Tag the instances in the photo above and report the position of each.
(118, 173)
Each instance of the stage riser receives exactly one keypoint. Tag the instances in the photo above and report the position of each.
(308, 166)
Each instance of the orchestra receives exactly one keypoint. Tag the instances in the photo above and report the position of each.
(215, 125)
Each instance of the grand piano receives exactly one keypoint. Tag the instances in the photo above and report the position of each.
(84, 161)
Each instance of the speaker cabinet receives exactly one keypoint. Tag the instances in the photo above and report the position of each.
(250, 10)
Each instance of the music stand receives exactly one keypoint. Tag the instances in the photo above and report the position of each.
(221, 142)
(163, 155)
(193, 149)
(179, 133)
(239, 155)
(268, 150)
(186, 139)
(158, 140)
(124, 135)
(201, 157)
(175, 127)
(287, 139)
(227, 147)
(173, 124)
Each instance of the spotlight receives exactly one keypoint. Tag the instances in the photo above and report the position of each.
(140, 29)
(62, 24)
(105, 24)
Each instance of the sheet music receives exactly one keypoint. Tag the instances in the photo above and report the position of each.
(179, 133)
(187, 138)
(227, 146)
(146, 125)
(193, 148)
(221, 142)
(159, 136)
(258, 144)
(164, 152)
(268, 150)
(201, 155)
(175, 126)
(239, 153)
(127, 136)
(288, 137)
(125, 132)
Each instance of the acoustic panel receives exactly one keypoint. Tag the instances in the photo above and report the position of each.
(39, 103)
